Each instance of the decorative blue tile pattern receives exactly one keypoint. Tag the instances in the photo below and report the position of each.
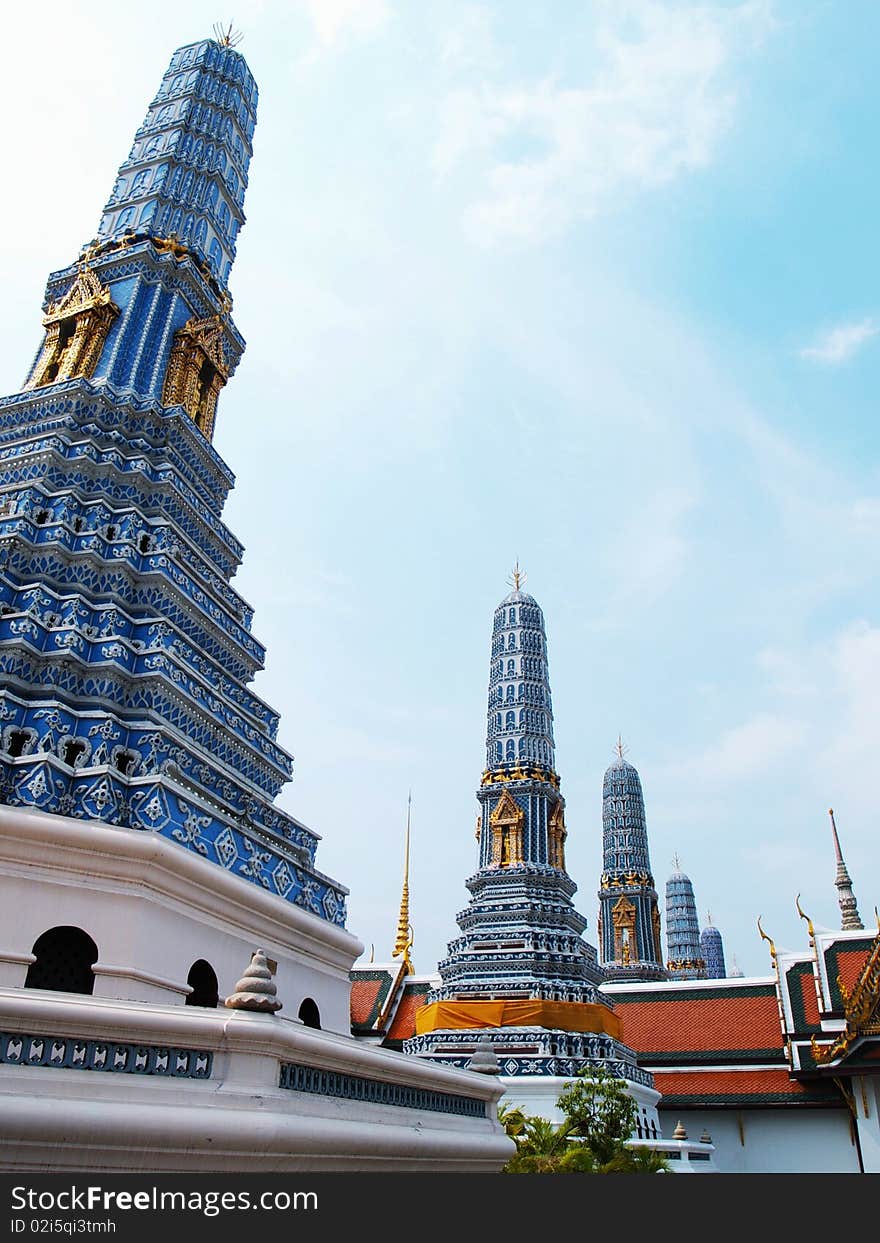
(71, 1053)
(629, 935)
(376, 1091)
(712, 953)
(521, 936)
(125, 652)
(684, 955)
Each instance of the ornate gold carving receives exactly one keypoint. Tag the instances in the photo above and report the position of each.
(76, 329)
(556, 838)
(623, 917)
(655, 924)
(197, 370)
(506, 822)
(861, 1008)
(519, 772)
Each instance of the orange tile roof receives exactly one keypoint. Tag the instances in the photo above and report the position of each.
(808, 996)
(693, 1023)
(849, 965)
(364, 999)
(403, 1024)
(724, 1086)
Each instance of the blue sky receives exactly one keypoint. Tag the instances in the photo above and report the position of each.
(591, 285)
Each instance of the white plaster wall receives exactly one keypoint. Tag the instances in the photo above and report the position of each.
(866, 1096)
(774, 1141)
(152, 909)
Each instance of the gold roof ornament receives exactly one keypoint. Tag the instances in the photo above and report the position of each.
(517, 577)
(227, 37)
(810, 928)
(861, 1009)
(764, 937)
(404, 942)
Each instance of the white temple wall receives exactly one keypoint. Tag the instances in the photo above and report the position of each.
(866, 1097)
(773, 1140)
(238, 1117)
(153, 908)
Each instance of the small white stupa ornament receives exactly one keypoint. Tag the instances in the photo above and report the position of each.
(256, 989)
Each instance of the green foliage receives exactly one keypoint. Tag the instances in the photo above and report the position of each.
(600, 1111)
(600, 1116)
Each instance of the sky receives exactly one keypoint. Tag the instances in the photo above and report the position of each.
(593, 286)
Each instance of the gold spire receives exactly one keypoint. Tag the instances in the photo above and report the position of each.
(404, 941)
(227, 37)
(517, 576)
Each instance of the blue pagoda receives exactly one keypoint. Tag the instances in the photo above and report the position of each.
(126, 655)
(521, 972)
(629, 921)
(712, 952)
(684, 955)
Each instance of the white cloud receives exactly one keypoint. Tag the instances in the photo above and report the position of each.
(656, 108)
(331, 18)
(841, 343)
(748, 749)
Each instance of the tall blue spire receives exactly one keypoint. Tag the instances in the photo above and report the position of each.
(519, 715)
(629, 939)
(146, 306)
(186, 174)
(125, 652)
(521, 959)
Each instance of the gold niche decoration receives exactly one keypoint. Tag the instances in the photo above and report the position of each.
(76, 329)
(197, 370)
(506, 822)
(623, 917)
(556, 838)
(655, 924)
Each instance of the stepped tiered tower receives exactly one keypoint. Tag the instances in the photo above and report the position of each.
(163, 926)
(629, 921)
(125, 653)
(521, 971)
(684, 956)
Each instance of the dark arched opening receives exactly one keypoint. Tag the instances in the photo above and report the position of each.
(64, 960)
(202, 979)
(309, 1013)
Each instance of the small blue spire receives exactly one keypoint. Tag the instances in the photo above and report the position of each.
(684, 955)
(712, 951)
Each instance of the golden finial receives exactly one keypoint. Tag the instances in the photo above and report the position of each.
(227, 37)
(517, 576)
(764, 937)
(797, 903)
(404, 942)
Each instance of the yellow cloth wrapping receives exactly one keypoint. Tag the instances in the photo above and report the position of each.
(569, 1016)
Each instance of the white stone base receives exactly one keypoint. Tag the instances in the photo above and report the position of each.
(240, 1119)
